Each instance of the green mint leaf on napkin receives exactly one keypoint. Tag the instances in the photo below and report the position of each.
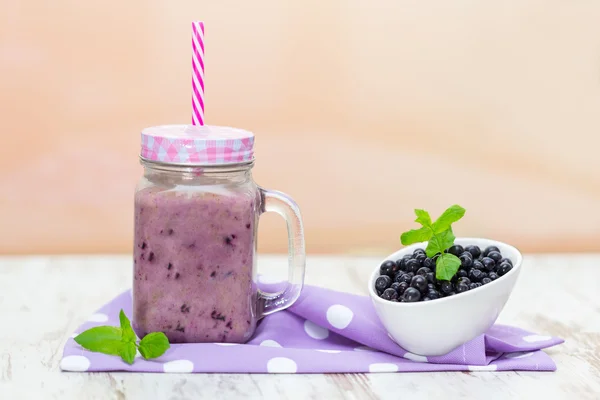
(101, 339)
(122, 341)
(446, 266)
(128, 333)
(440, 238)
(153, 345)
(128, 352)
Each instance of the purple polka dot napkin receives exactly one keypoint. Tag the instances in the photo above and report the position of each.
(324, 332)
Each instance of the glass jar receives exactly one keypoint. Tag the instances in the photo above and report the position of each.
(196, 215)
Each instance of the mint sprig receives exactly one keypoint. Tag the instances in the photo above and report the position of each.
(122, 341)
(440, 238)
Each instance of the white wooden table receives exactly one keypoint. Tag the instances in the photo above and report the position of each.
(43, 300)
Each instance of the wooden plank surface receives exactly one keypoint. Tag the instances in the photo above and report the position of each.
(43, 299)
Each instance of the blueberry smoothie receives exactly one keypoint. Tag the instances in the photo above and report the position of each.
(193, 264)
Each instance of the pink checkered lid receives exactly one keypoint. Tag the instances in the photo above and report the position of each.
(197, 145)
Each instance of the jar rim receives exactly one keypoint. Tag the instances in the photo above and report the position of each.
(168, 166)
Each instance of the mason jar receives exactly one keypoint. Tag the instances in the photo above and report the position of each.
(196, 214)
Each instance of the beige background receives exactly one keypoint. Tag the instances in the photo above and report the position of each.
(363, 110)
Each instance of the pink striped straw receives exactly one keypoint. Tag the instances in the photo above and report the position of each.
(197, 73)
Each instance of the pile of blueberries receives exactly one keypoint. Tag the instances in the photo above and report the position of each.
(412, 278)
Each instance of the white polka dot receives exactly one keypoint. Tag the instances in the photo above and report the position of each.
(98, 317)
(315, 331)
(178, 366)
(330, 351)
(270, 343)
(365, 348)
(75, 363)
(415, 357)
(339, 316)
(281, 365)
(383, 367)
(491, 367)
(536, 338)
(227, 344)
(518, 354)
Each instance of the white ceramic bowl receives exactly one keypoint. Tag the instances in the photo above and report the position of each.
(436, 327)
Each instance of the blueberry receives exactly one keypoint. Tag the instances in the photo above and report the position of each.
(383, 282)
(478, 265)
(388, 268)
(466, 260)
(474, 250)
(430, 286)
(433, 294)
(496, 256)
(395, 286)
(420, 258)
(425, 299)
(397, 276)
(423, 271)
(488, 264)
(430, 277)
(411, 295)
(451, 294)
(411, 274)
(446, 287)
(485, 281)
(475, 275)
(394, 300)
(460, 288)
(461, 273)
(506, 260)
(389, 294)
(419, 282)
(417, 252)
(406, 278)
(402, 286)
(457, 250)
(464, 280)
(474, 285)
(401, 264)
(493, 276)
(412, 265)
(490, 248)
(503, 269)
(429, 263)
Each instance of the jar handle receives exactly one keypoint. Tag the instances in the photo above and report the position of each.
(283, 205)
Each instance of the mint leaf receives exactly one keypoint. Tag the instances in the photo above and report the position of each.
(122, 341)
(440, 238)
(153, 345)
(439, 243)
(446, 266)
(128, 333)
(127, 352)
(448, 217)
(101, 339)
(416, 236)
(423, 218)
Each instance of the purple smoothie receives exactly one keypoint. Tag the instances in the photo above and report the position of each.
(194, 263)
